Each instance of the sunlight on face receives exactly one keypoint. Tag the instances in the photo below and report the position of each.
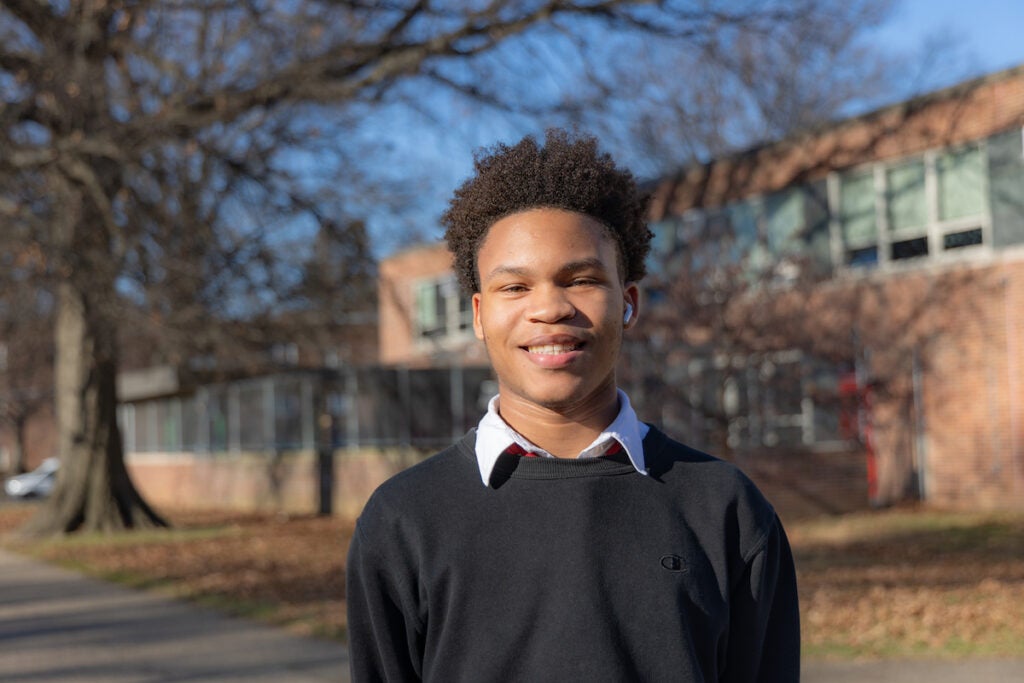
(550, 308)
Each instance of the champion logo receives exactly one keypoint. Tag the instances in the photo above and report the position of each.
(673, 563)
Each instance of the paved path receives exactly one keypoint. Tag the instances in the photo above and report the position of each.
(59, 626)
(973, 671)
(56, 625)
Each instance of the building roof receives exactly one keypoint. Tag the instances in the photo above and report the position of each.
(956, 114)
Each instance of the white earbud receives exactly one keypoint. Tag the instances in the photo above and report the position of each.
(629, 313)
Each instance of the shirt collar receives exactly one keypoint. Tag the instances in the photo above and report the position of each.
(494, 436)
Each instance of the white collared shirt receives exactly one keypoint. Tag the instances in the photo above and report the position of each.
(494, 436)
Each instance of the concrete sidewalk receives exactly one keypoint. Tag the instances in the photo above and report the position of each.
(56, 625)
(902, 671)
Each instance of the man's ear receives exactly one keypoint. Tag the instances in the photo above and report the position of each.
(631, 302)
(478, 328)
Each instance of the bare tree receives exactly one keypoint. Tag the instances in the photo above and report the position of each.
(170, 162)
(744, 84)
(26, 363)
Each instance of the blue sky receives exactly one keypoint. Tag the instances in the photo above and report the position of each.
(989, 33)
(946, 41)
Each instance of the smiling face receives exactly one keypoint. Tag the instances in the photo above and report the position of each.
(550, 310)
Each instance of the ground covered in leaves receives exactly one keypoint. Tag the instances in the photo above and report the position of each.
(912, 583)
(899, 583)
(289, 570)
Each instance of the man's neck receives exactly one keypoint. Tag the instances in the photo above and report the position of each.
(562, 432)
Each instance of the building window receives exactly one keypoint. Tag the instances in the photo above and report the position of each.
(784, 399)
(913, 208)
(967, 238)
(442, 309)
(906, 210)
(252, 416)
(784, 221)
(960, 176)
(857, 217)
(742, 217)
(752, 237)
(216, 419)
(782, 406)
(288, 412)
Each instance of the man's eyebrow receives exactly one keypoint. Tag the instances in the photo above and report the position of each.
(570, 267)
(517, 271)
(583, 264)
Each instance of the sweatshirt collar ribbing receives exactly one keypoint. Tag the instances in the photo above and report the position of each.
(494, 436)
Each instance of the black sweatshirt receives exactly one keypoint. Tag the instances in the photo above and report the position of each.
(572, 570)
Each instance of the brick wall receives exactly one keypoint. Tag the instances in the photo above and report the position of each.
(974, 399)
(288, 482)
(942, 350)
(799, 485)
(955, 115)
(396, 291)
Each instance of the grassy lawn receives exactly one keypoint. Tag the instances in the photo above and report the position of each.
(898, 583)
(912, 583)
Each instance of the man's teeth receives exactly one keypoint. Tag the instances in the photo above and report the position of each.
(552, 349)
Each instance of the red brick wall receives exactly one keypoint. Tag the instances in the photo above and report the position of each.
(396, 296)
(960, 114)
(397, 342)
(974, 399)
(956, 435)
(252, 481)
(798, 485)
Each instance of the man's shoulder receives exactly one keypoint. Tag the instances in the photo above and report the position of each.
(434, 476)
(665, 456)
(712, 481)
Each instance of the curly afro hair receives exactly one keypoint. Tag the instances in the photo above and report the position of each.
(567, 172)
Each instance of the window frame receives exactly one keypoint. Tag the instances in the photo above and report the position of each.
(937, 231)
(456, 319)
(765, 416)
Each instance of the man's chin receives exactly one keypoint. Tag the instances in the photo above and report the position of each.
(559, 401)
(557, 405)
(562, 394)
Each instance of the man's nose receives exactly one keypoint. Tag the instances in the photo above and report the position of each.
(550, 305)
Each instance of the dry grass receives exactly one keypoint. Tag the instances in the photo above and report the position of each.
(899, 583)
(912, 583)
(289, 570)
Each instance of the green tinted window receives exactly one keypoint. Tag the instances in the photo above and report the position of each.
(905, 197)
(960, 176)
(784, 215)
(857, 208)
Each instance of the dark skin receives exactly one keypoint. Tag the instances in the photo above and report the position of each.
(551, 311)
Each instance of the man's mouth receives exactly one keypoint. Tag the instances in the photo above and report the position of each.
(554, 349)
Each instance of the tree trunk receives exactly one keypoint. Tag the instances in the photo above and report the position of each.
(18, 457)
(93, 491)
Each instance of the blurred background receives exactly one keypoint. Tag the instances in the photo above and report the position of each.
(222, 285)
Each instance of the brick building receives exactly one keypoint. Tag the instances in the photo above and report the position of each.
(913, 215)
(840, 312)
(424, 318)
(874, 302)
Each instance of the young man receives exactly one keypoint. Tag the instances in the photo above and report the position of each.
(563, 539)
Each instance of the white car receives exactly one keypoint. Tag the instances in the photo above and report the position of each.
(35, 484)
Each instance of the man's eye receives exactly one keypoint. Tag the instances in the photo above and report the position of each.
(512, 289)
(583, 281)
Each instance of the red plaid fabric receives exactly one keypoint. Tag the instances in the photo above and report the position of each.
(517, 450)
